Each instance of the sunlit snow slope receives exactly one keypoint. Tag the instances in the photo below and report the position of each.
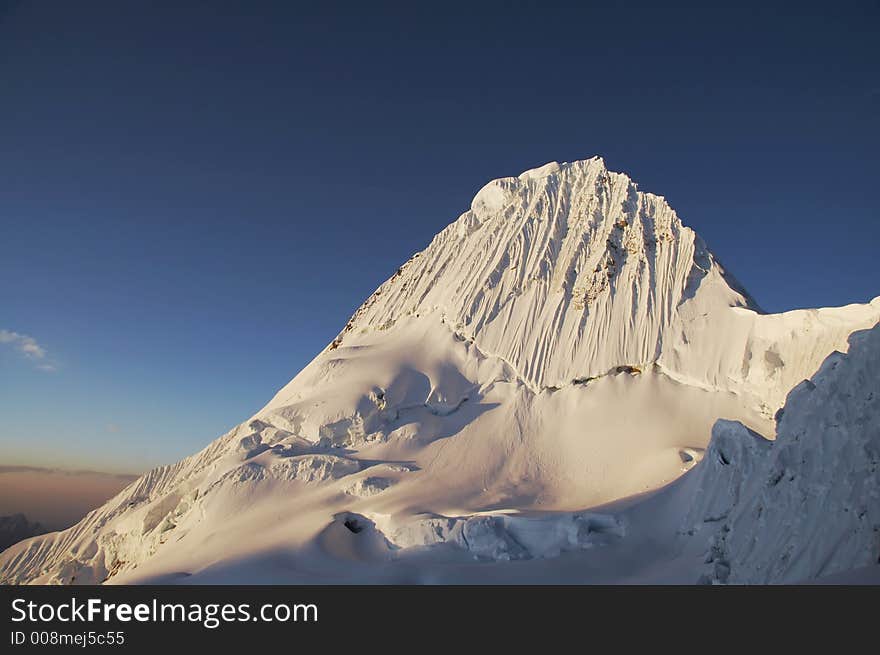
(564, 344)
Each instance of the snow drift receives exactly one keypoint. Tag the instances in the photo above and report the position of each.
(565, 344)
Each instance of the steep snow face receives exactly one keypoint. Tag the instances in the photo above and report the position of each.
(808, 504)
(569, 272)
(565, 343)
(565, 271)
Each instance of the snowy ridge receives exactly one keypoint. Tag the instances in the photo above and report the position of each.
(808, 504)
(89, 552)
(565, 344)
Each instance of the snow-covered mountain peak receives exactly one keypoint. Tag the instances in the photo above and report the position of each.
(543, 171)
(565, 343)
(553, 179)
(544, 264)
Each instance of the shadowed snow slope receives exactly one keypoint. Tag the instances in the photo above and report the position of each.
(808, 504)
(566, 343)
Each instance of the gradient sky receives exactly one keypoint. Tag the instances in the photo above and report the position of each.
(194, 197)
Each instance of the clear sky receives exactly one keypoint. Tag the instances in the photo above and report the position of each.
(194, 197)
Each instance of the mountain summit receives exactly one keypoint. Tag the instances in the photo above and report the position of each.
(567, 270)
(566, 343)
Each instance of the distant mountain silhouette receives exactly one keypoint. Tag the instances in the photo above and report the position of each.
(15, 528)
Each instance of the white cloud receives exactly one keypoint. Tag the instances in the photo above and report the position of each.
(27, 346)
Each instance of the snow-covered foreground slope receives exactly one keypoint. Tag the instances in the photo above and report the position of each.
(565, 344)
(808, 504)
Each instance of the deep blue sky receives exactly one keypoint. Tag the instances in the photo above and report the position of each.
(194, 197)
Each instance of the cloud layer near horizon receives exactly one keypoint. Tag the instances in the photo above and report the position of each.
(56, 498)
